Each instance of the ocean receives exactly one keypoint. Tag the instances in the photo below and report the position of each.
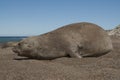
(4, 39)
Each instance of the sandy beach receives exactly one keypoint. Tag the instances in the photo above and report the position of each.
(106, 67)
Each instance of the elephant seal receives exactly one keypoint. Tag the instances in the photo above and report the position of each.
(75, 40)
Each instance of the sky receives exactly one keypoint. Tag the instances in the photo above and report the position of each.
(35, 17)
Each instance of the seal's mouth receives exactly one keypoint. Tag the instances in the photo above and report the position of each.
(15, 50)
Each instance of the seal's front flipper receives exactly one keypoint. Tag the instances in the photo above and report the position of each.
(75, 51)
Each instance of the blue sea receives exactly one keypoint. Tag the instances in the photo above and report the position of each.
(4, 39)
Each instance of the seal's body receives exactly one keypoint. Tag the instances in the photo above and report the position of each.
(74, 40)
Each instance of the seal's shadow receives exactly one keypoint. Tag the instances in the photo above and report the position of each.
(22, 58)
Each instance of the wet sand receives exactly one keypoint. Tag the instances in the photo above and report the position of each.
(106, 67)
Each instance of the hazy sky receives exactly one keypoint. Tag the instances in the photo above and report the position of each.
(34, 17)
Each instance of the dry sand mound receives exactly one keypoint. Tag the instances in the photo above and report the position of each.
(107, 67)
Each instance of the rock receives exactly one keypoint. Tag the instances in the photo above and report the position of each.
(115, 31)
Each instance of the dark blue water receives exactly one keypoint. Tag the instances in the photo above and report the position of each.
(4, 39)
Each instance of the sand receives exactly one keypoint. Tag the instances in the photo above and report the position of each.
(106, 67)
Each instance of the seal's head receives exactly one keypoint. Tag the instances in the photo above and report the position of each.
(25, 47)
